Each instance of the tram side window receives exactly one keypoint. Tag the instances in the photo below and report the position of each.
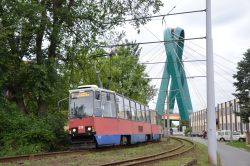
(127, 109)
(159, 118)
(138, 111)
(148, 114)
(120, 108)
(107, 104)
(153, 117)
(98, 109)
(133, 110)
(97, 95)
(143, 113)
(112, 105)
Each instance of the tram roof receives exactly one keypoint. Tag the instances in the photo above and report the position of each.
(89, 87)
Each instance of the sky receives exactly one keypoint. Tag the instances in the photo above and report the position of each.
(231, 38)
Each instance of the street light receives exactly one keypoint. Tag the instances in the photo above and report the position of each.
(247, 106)
(167, 113)
(231, 127)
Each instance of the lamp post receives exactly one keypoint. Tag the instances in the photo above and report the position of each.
(248, 107)
(231, 127)
(167, 113)
(212, 143)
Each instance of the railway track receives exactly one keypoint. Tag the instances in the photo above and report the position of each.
(182, 146)
(185, 146)
(74, 149)
(39, 156)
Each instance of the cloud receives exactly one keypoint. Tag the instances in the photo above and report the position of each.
(225, 11)
(231, 38)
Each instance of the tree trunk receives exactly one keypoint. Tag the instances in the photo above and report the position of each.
(20, 105)
(247, 138)
(247, 134)
(42, 105)
(247, 127)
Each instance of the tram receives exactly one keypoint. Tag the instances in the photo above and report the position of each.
(104, 117)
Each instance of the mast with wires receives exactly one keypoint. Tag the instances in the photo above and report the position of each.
(110, 63)
(112, 53)
(212, 142)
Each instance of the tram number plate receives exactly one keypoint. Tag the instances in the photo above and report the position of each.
(80, 127)
(140, 128)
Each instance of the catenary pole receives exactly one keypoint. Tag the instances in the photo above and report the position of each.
(212, 143)
(167, 113)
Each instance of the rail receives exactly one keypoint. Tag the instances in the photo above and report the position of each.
(38, 156)
(182, 148)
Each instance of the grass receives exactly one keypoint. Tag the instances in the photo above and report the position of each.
(238, 144)
(199, 153)
(98, 157)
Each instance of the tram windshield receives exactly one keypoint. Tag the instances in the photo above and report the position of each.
(81, 104)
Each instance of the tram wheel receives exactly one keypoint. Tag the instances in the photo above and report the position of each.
(241, 139)
(222, 139)
(124, 140)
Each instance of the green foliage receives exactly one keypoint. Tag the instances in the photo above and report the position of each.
(239, 144)
(188, 130)
(242, 85)
(37, 37)
(127, 75)
(25, 134)
(46, 49)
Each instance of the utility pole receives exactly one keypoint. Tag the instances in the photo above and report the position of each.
(231, 123)
(166, 112)
(212, 143)
(168, 121)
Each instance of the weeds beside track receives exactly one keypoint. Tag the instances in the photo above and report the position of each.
(39, 156)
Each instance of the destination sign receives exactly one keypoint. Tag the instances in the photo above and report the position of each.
(79, 94)
(83, 94)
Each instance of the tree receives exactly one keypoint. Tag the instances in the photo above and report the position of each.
(127, 75)
(242, 85)
(36, 38)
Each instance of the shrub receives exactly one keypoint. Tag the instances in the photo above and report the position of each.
(188, 130)
(25, 134)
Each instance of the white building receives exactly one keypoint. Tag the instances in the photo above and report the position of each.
(225, 118)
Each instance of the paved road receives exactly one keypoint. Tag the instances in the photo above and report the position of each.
(229, 155)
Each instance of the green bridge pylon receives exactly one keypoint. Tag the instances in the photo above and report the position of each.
(174, 74)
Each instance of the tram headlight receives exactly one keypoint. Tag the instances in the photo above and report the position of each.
(74, 130)
(89, 128)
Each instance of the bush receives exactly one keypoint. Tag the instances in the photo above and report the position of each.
(24, 134)
(187, 130)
